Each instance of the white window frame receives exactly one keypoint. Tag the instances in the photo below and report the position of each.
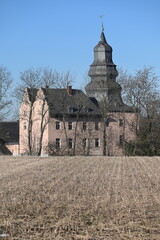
(58, 143)
(70, 143)
(24, 126)
(85, 142)
(121, 140)
(70, 125)
(121, 122)
(84, 126)
(58, 125)
(96, 126)
(97, 140)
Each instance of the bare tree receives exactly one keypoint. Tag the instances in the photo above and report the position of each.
(44, 120)
(141, 91)
(42, 77)
(59, 81)
(32, 80)
(5, 99)
(71, 107)
(63, 80)
(106, 103)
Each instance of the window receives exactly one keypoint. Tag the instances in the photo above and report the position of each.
(70, 125)
(70, 143)
(58, 143)
(121, 122)
(85, 142)
(25, 113)
(84, 126)
(96, 125)
(97, 142)
(72, 109)
(24, 126)
(121, 139)
(87, 109)
(107, 123)
(58, 125)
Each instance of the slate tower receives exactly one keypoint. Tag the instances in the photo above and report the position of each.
(103, 75)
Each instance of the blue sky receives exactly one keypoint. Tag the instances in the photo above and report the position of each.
(62, 34)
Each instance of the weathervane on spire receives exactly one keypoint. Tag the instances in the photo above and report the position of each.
(102, 22)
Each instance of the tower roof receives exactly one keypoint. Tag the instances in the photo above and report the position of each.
(103, 42)
(103, 38)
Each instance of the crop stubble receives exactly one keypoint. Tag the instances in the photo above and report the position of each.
(73, 198)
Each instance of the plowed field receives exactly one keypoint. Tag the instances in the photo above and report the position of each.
(79, 198)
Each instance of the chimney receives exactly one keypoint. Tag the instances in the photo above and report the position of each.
(69, 89)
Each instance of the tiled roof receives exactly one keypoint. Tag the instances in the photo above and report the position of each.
(9, 131)
(60, 102)
(3, 149)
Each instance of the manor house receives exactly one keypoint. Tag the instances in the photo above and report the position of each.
(70, 122)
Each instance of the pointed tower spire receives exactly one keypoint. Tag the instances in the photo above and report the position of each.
(103, 38)
(102, 27)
